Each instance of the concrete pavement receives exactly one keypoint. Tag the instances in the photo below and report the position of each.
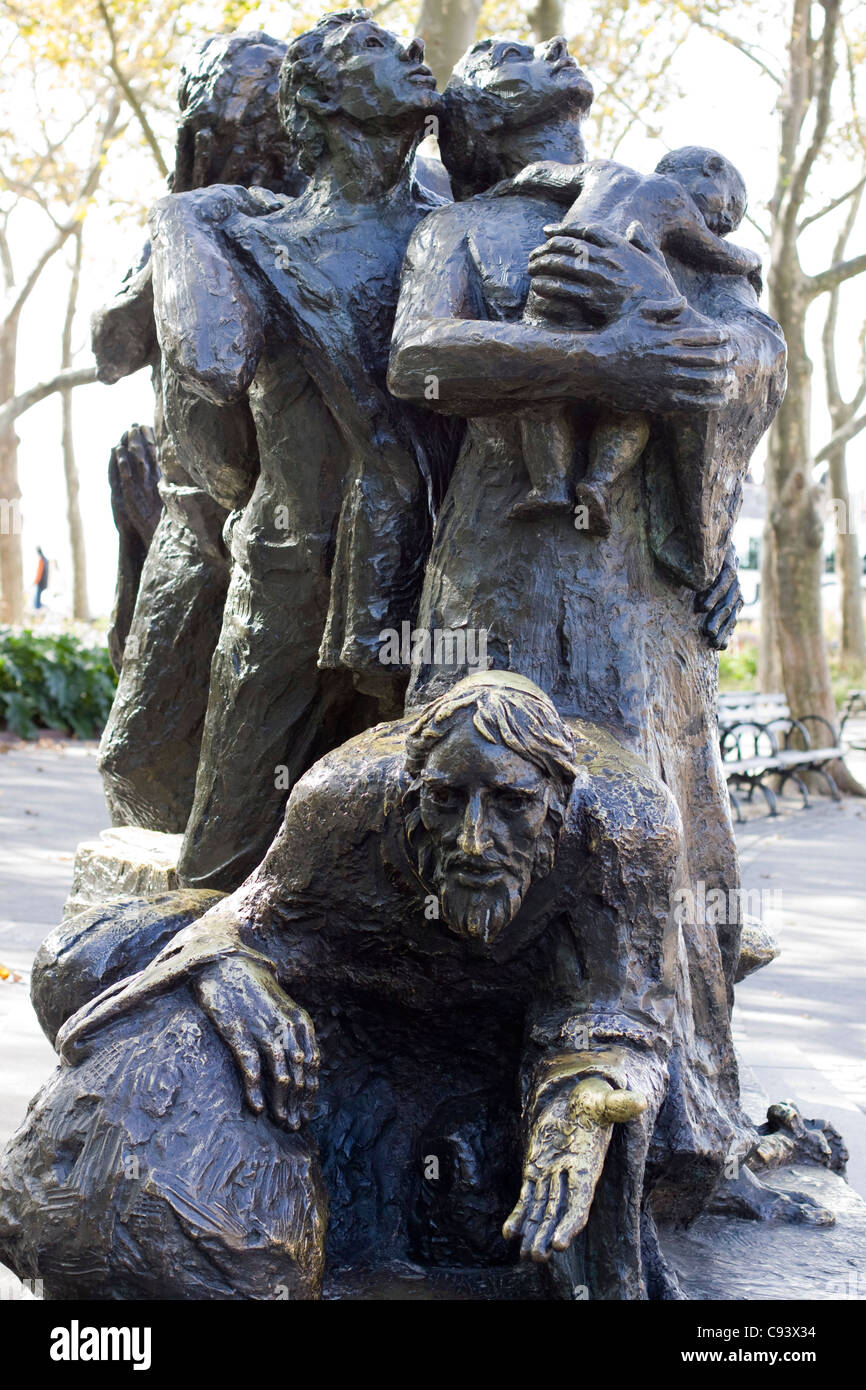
(800, 1024)
(50, 798)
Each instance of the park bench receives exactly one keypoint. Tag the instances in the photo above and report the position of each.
(854, 705)
(760, 741)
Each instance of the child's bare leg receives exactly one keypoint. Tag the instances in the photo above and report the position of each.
(617, 442)
(548, 443)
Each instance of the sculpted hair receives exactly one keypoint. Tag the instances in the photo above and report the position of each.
(202, 68)
(222, 72)
(307, 67)
(467, 118)
(527, 724)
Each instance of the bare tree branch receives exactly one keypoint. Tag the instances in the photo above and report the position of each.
(6, 263)
(796, 192)
(128, 92)
(86, 191)
(795, 99)
(834, 275)
(844, 435)
(835, 399)
(698, 19)
(63, 381)
(831, 207)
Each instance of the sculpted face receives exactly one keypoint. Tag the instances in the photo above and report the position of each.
(533, 82)
(484, 810)
(719, 193)
(721, 203)
(380, 78)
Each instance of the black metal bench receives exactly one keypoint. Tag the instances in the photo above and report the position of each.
(855, 704)
(779, 747)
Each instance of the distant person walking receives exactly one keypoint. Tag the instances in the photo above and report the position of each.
(40, 583)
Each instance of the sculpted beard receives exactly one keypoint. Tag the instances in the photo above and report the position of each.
(481, 913)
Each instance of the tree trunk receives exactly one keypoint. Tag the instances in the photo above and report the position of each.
(11, 557)
(769, 656)
(797, 519)
(547, 19)
(848, 567)
(447, 28)
(798, 527)
(80, 604)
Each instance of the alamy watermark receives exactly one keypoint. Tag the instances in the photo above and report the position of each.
(438, 646)
(716, 907)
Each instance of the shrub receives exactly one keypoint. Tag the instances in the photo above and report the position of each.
(738, 668)
(53, 681)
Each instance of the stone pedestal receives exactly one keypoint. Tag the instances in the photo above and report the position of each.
(123, 861)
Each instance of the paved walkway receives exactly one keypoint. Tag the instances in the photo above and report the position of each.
(50, 798)
(800, 1023)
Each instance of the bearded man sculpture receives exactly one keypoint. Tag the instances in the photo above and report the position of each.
(458, 947)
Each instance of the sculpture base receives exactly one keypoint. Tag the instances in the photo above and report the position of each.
(718, 1258)
(123, 861)
(725, 1258)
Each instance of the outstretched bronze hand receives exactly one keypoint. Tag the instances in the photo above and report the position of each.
(566, 1154)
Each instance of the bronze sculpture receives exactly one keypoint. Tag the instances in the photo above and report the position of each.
(450, 950)
(447, 1032)
(205, 456)
(339, 517)
(694, 199)
(605, 624)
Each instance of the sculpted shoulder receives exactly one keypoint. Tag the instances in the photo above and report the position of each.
(216, 205)
(357, 785)
(444, 228)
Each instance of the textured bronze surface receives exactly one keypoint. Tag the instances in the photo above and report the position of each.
(449, 1031)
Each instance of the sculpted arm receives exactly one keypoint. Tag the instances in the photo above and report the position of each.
(210, 319)
(123, 334)
(690, 240)
(242, 955)
(447, 355)
(597, 1048)
(695, 475)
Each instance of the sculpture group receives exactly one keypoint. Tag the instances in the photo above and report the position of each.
(423, 1012)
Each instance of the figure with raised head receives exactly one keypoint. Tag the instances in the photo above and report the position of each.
(619, 629)
(296, 320)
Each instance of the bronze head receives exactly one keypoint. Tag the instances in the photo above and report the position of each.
(491, 767)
